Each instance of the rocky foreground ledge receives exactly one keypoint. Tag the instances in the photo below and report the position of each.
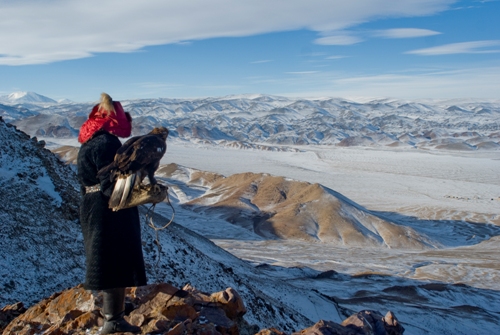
(165, 309)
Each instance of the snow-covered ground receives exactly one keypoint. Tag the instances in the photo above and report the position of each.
(426, 184)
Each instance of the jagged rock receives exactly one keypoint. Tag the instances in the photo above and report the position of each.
(392, 325)
(165, 309)
(9, 313)
(271, 331)
(231, 302)
(159, 309)
(372, 322)
(362, 323)
(323, 327)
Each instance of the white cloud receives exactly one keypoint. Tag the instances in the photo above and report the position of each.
(338, 40)
(335, 57)
(476, 47)
(36, 32)
(478, 82)
(405, 33)
(261, 61)
(302, 72)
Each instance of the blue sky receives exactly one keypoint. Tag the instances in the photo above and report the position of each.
(407, 49)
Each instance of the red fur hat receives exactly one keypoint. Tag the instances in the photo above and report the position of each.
(116, 122)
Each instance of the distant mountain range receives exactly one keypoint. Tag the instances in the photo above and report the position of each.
(271, 123)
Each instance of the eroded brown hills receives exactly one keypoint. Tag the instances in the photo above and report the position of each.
(278, 207)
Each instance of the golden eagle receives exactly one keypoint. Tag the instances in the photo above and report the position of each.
(137, 158)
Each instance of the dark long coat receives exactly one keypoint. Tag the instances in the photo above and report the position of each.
(112, 239)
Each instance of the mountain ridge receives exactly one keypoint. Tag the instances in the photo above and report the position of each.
(278, 121)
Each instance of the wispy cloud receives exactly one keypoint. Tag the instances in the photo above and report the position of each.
(338, 40)
(405, 33)
(435, 84)
(261, 61)
(476, 47)
(36, 32)
(302, 72)
(336, 57)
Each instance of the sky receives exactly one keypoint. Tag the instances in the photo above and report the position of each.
(405, 49)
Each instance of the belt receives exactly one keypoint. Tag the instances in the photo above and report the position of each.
(93, 188)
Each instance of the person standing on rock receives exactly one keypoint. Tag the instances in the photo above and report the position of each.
(112, 239)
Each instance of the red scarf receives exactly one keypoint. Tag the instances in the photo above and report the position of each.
(118, 123)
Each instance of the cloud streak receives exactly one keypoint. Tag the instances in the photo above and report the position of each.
(405, 33)
(338, 40)
(261, 61)
(478, 82)
(476, 47)
(37, 32)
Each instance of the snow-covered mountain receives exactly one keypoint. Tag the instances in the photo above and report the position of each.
(247, 121)
(26, 97)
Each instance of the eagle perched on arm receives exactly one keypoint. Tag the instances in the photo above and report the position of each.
(137, 158)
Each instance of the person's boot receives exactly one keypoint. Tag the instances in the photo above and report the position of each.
(114, 309)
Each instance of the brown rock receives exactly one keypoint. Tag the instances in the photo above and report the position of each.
(217, 317)
(327, 328)
(164, 309)
(9, 313)
(179, 311)
(231, 302)
(372, 322)
(270, 331)
(207, 329)
(56, 314)
(392, 325)
(179, 329)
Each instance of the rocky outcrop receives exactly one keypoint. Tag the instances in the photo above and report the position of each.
(165, 309)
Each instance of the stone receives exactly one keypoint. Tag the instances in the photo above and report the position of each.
(372, 322)
(323, 327)
(231, 302)
(165, 309)
(270, 331)
(9, 313)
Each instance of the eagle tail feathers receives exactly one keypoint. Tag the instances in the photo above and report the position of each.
(127, 190)
(116, 196)
(122, 192)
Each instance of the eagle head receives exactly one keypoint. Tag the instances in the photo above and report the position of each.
(162, 131)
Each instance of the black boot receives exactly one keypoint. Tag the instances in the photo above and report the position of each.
(114, 310)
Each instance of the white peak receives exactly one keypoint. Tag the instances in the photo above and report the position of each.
(28, 97)
(17, 95)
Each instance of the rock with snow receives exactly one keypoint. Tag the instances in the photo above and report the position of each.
(165, 309)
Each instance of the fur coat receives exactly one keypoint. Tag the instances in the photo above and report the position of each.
(112, 240)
